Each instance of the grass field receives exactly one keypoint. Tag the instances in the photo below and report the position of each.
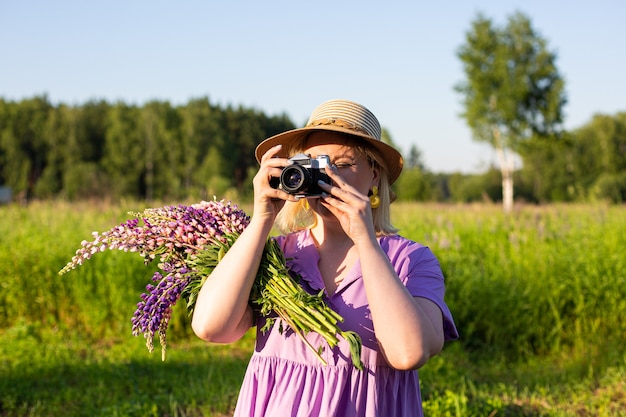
(539, 298)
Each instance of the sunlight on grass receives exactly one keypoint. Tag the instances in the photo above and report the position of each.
(539, 298)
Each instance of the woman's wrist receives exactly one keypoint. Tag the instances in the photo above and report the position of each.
(262, 224)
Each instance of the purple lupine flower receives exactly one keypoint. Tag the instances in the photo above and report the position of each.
(155, 310)
(166, 232)
(175, 235)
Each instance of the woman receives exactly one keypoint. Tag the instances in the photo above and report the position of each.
(389, 289)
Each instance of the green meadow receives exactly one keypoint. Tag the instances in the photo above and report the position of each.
(539, 297)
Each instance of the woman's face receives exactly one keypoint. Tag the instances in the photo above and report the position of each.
(351, 164)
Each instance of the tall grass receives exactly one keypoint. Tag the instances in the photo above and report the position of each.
(538, 281)
(36, 241)
(539, 297)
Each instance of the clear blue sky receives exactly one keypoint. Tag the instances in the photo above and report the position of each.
(396, 57)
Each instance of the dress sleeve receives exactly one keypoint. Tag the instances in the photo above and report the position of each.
(419, 270)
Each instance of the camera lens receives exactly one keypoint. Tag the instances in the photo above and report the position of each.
(294, 179)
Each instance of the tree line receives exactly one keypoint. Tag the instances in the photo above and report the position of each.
(586, 164)
(158, 151)
(155, 151)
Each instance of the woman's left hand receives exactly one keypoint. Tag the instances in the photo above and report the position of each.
(349, 205)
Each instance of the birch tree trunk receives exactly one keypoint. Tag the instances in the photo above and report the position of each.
(507, 168)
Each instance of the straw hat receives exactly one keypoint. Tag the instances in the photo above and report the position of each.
(346, 117)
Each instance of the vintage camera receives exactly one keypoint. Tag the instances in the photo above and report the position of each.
(301, 177)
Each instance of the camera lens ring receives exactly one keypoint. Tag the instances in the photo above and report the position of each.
(294, 179)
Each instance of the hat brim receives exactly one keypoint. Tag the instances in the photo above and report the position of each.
(389, 154)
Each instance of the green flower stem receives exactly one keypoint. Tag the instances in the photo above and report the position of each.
(308, 316)
(321, 313)
(299, 311)
(291, 324)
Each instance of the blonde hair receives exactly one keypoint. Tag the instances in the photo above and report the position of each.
(296, 216)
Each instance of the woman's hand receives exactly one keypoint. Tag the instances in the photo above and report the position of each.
(267, 200)
(409, 330)
(350, 206)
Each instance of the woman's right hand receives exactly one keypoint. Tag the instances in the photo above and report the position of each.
(269, 201)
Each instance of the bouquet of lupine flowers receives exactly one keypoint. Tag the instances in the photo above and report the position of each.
(189, 241)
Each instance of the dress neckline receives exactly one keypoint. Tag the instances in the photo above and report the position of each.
(353, 273)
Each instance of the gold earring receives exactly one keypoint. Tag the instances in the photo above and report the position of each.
(374, 198)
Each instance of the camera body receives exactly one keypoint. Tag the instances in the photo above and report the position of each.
(301, 177)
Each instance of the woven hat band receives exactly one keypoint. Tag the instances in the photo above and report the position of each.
(340, 123)
(348, 115)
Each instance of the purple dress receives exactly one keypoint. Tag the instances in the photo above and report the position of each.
(285, 379)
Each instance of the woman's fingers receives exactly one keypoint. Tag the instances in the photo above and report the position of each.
(271, 166)
(343, 199)
(340, 188)
(271, 152)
